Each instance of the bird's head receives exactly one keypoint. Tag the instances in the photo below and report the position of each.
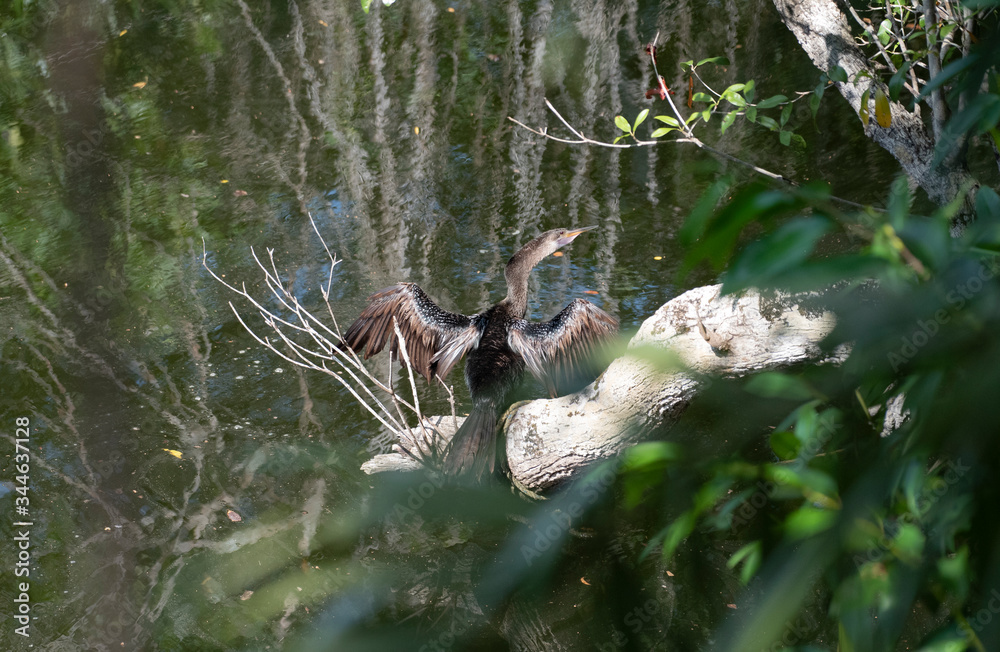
(544, 245)
(565, 236)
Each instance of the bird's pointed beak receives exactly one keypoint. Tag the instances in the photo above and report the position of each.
(570, 235)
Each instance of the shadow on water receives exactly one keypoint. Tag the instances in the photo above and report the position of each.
(191, 490)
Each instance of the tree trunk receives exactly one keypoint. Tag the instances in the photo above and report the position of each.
(823, 32)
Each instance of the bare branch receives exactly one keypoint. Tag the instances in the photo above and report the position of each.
(307, 342)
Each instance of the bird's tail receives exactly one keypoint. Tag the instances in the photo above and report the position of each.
(473, 447)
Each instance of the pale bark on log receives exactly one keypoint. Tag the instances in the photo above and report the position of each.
(705, 334)
(822, 30)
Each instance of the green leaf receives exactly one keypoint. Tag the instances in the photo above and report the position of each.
(728, 120)
(704, 209)
(814, 101)
(785, 137)
(623, 124)
(897, 81)
(687, 64)
(748, 91)
(987, 204)
(706, 115)
(702, 97)
(733, 89)
(786, 113)
(653, 453)
(883, 113)
(837, 74)
(772, 101)
(762, 262)
(774, 384)
(751, 204)
(798, 140)
(615, 141)
(908, 545)
(722, 61)
(662, 131)
(751, 114)
(863, 109)
(885, 31)
(808, 520)
(785, 444)
(752, 553)
(366, 5)
(955, 572)
(639, 119)
(765, 121)
(947, 73)
(676, 533)
(668, 120)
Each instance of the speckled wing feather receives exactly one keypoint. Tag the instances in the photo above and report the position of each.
(563, 344)
(435, 339)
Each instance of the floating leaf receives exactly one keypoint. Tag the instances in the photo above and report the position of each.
(176, 454)
(623, 124)
(883, 114)
(233, 516)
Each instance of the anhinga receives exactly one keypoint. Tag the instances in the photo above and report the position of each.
(500, 343)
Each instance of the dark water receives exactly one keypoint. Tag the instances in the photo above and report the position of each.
(135, 132)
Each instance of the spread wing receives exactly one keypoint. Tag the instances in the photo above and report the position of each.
(435, 339)
(563, 344)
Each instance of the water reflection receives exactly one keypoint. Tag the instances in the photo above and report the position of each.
(133, 132)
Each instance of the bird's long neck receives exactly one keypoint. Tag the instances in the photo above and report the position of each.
(517, 271)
